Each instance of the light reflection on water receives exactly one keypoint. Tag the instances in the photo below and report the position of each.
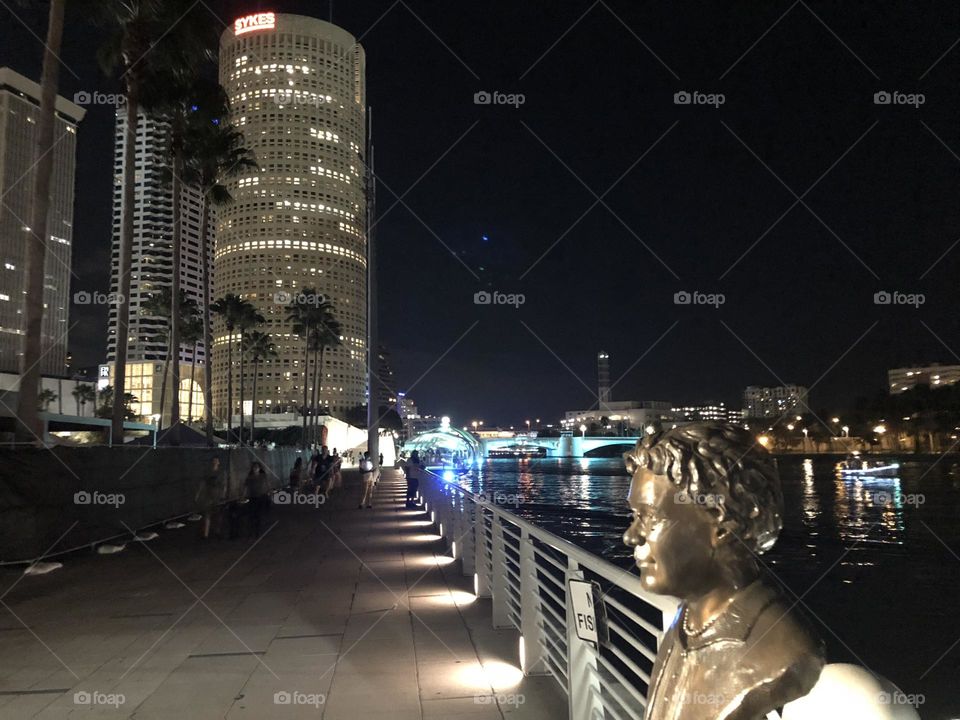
(822, 509)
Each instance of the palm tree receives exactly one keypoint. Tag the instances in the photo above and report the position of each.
(250, 317)
(258, 346)
(192, 334)
(28, 422)
(138, 42)
(326, 333)
(304, 312)
(83, 393)
(44, 398)
(105, 410)
(215, 152)
(180, 89)
(159, 305)
(235, 313)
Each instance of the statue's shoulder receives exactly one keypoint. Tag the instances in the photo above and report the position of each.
(782, 637)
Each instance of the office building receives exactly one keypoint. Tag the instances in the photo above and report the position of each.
(774, 402)
(152, 270)
(296, 87)
(19, 116)
(620, 416)
(932, 375)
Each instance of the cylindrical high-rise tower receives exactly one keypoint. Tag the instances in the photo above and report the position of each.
(297, 91)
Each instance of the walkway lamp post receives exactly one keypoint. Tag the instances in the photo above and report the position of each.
(583, 431)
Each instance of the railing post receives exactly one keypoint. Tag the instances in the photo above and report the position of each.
(583, 681)
(456, 523)
(498, 572)
(482, 586)
(468, 559)
(531, 622)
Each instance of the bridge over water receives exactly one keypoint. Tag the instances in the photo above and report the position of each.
(565, 446)
(450, 439)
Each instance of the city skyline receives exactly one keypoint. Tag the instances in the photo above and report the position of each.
(798, 299)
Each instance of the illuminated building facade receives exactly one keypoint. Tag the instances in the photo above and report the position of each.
(297, 92)
(19, 114)
(620, 415)
(152, 270)
(934, 375)
(706, 413)
(773, 402)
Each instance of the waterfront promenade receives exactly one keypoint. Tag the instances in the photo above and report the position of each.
(334, 613)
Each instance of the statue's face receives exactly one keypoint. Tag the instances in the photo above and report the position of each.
(674, 540)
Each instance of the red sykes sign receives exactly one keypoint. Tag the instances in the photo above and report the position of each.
(258, 21)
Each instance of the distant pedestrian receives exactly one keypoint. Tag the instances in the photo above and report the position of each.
(296, 475)
(209, 496)
(337, 469)
(413, 469)
(368, 479)
(257, 496)
(380, 464)
(321, 472)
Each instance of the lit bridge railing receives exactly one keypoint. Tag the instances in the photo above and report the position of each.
(526, 571)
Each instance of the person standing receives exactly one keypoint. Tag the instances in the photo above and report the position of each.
(296, 475)
(413, 469)
(258, 496)
(367, 479)
(209, 496)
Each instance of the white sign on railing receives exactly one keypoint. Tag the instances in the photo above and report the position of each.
(589, 615)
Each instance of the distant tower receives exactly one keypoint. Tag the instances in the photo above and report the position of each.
(603, 377)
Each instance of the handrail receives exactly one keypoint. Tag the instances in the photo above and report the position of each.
(526, 571)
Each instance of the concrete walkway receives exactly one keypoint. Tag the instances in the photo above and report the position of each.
(333, 613)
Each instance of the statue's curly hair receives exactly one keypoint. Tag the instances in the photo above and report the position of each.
(724, 462)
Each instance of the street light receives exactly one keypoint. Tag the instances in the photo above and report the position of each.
(583, 431)
(846, 430)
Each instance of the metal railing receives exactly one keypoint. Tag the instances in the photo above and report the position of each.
(526, 571)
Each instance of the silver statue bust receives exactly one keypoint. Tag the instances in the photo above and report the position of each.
(706, 502)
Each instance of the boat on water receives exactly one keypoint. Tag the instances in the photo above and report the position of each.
(856, 466)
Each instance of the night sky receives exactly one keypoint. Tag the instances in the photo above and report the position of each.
(695, 192)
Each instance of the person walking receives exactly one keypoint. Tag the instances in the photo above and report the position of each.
(413, 469)
(257, 495)
(321, 472)
(336, 463)
(367, 480)
(209, 496)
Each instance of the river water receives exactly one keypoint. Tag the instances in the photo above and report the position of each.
(876, 563)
